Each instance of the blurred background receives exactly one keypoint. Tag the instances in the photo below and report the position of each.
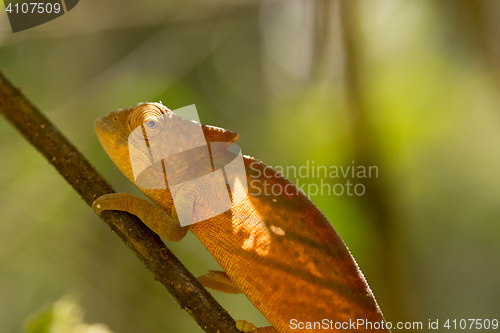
(412, 87)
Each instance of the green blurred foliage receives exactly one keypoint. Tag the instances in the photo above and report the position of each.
(264, 69)
(64, 316)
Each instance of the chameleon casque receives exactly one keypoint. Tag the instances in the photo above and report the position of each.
(279, 250)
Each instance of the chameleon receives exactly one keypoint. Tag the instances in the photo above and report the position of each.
(279, 250)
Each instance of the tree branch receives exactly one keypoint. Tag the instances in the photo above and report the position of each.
(82, 176)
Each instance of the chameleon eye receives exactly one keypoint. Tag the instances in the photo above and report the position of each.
(151, 124)
(148, 115)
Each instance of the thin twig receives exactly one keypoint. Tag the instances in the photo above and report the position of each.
(82, 176)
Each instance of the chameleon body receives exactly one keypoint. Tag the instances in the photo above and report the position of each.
(279, 250)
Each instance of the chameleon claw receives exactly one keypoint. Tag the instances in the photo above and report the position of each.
(245, 326)
(104, 202)
(96, 206)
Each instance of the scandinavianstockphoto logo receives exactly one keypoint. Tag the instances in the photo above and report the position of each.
(28, 14)
(312, 180)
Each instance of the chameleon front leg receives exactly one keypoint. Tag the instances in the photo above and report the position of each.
(153, 216)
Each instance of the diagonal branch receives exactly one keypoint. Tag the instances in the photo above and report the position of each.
(82, 176)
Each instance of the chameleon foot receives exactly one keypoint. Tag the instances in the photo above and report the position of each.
(218, 280)
(245, 326)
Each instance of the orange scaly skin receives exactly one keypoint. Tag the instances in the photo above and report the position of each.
(280, 251)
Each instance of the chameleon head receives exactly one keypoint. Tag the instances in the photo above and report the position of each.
(161, 129)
